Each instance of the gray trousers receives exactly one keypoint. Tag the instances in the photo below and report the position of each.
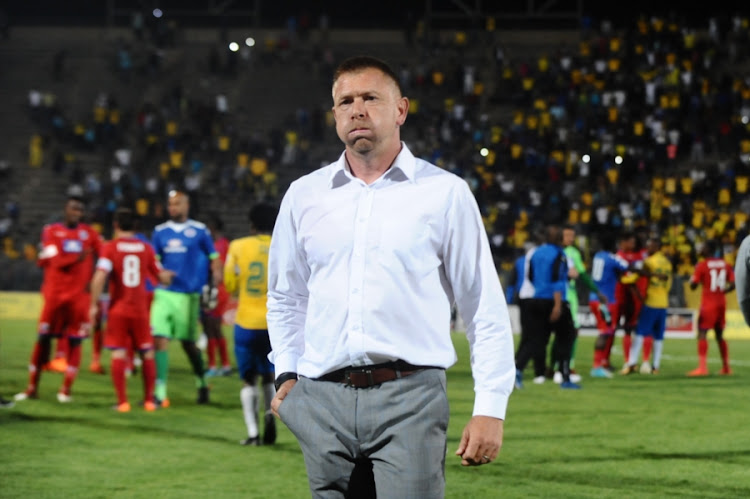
(395, 432)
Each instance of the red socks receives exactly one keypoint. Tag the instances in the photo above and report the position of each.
(223, 356)
(119, 380)
(211, 352)
(724, 349)
(149, 378)
(74, 361)
(648, 344)
(626, 342)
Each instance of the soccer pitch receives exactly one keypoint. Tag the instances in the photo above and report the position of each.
(636, 436)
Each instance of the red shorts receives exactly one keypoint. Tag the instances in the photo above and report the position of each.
(601, 324)
(125, 331)
(67, 317)
(712, 316)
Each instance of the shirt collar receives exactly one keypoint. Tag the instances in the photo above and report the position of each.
(403, 168)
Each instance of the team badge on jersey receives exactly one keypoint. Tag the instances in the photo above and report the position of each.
(83, 235)
(72, 246)
(190, 232)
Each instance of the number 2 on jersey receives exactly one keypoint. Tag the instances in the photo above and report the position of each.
(256, 279)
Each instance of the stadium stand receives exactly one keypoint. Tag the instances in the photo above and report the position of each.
(644, 127)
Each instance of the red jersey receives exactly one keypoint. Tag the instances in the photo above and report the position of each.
(129, 262)
(67, 257)
(632, 257)
(222, 247)
(713, 274)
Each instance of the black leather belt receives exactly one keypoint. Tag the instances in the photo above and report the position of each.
(367, 376)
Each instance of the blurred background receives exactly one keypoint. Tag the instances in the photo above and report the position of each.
(609, 117)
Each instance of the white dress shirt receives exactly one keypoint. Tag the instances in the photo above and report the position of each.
(363, 274)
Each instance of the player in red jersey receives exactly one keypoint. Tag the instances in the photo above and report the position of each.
(67, 257)
(127, 261)
(716, 277)
(97, 334)
(212, 315)
(629, 293)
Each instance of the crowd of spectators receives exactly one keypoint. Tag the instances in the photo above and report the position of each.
(642, 128)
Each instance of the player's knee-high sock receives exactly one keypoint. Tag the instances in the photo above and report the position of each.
(658, 348)
(608, 349)
(39, 357)
(211, 353)
(149, 377)
(162, 368)
(249, 399)
(96, 345)
(724, 349)
(702, 354)
(223, 353)
(74, 362)
(118, 367)
(648, 343)
(196, 362)
(269, 392)
(635, 350)
(600, 350)
(627, 344)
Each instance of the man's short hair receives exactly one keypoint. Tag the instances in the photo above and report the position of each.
(263, 217)
(76, 198)
(362, 62)
(125, 219)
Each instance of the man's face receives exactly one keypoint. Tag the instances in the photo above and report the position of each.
(569, 237)
(73, 212)
(178, 207)
(368, 110)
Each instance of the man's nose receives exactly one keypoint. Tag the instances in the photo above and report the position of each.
(358, 108)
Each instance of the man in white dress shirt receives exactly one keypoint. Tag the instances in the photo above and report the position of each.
(367, 256)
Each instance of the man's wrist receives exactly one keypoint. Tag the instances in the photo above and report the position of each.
(283, 378)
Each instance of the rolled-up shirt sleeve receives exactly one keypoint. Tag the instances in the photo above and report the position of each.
(480, 301)
(288, 274)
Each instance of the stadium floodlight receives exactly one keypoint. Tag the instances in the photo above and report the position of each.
(250, 41)
(234, 46)
(157, 13)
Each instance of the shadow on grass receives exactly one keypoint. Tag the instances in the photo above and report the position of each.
(128, 427)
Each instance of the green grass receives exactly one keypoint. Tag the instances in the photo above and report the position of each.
(637, 436)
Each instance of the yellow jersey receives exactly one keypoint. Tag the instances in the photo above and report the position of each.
(246, 274)
(657, 293)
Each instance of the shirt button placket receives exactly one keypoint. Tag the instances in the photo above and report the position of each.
(356, 277)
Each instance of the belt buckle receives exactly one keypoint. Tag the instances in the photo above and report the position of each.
(368, 372)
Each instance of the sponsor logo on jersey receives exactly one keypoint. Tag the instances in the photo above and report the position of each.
(175, 246)
(130, 247)
(72, 246)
